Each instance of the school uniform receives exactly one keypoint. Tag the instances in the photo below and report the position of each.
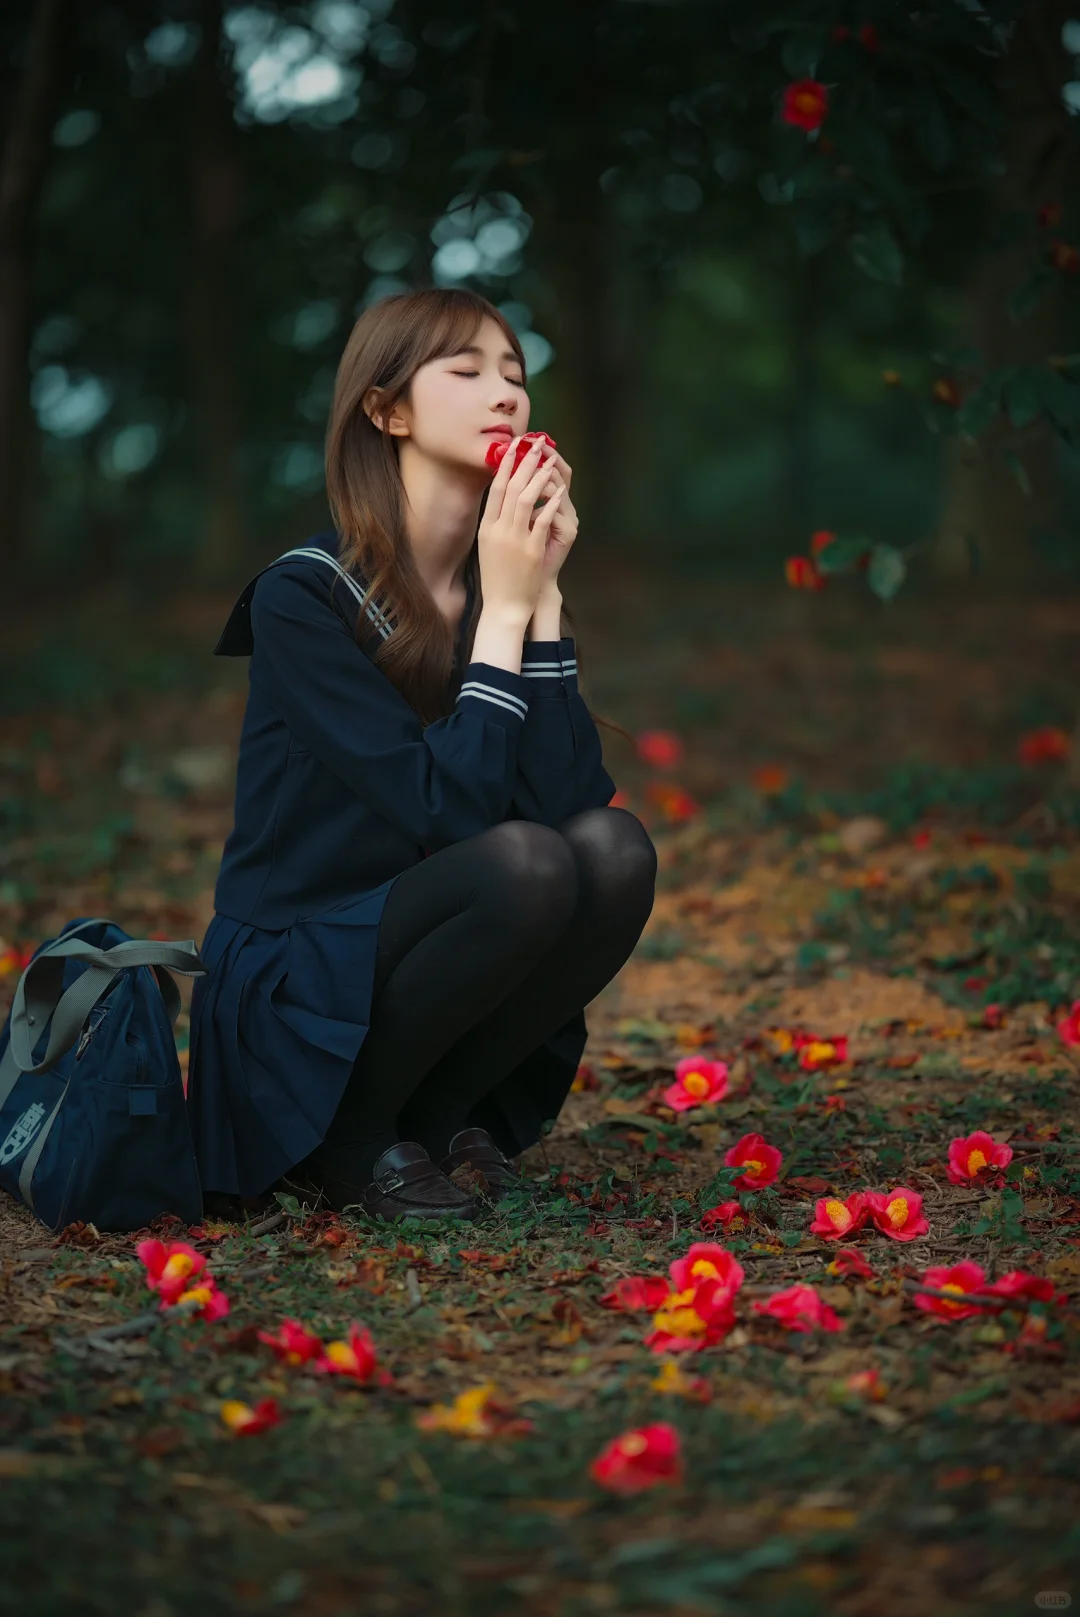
(340, 787)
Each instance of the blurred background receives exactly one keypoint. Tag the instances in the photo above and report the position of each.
(794, 270)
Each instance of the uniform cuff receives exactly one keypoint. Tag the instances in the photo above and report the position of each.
(496, 693)
(568, 658)
(541, 665)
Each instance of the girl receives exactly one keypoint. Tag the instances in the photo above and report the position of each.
(424, 885)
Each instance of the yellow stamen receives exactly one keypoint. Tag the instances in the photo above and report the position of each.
(178, 1266)
(897, 1211)
(633, 1444)
(704, 1270)
(696, 1083)
(837, 1214)
(341, 1353)
(976, 1160)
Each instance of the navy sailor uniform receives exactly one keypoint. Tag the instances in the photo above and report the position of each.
(339, 788)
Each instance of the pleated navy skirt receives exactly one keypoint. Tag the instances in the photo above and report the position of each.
(276, 1025)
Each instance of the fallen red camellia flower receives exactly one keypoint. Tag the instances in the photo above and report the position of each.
(959, 1279)
(1068, 1029)
(833, 1219)
(704, 1260)
(355, 1357)
(898, 1213)
(660, 748)
(293, 1343)
(760, 1162)
(850, 1261)
(799, 1308)
(725, 1216)
(805, 104)
(637, 1293)
(693, 1319)
(170, 1267)
(698, 1082)
(972, 1156)
(816, 1052)
(497, 448)
(801, 574)
(1046, 745)
(639, 1459)
(245, 1420)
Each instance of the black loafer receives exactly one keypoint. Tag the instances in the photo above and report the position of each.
(475, 1159)
(405, 1182)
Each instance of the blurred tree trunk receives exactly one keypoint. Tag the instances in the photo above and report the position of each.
(22, 169)
(982, 498)
(212, 319)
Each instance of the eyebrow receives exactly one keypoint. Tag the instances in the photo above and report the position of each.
(473, 349)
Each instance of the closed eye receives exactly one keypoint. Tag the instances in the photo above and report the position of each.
(513, 379)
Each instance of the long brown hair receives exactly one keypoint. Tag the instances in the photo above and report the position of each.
(387, 345)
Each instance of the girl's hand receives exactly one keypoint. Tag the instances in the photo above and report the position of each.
(564, 522)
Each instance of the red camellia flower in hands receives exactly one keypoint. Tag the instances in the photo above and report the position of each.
(801, 574)
(760, 1162)
(698, 1082)
(815, 1052)
(898, 1213)
(637, 1293)
(293, 1343)
(706, 1261)
(972, 1156)
(1046, 745)
(1068, 1029)
(959, 1280)
(805, 104)
(850, 1261)
(693, 1319)
(799, 1308)
(835, 1219)
(728, 1215)
(170, 1267)
(639, 1459)
(659, 748)
(355, 1357)
(243, 1420)
(498, 446)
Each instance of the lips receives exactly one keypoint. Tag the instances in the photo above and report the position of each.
(503, 432)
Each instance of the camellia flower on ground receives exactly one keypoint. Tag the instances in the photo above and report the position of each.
(799, 1308)
(1046, 745)
(698, 1082)
(639, 1459)
(293, 1343)
(960, 1280)
(672, 1380)
(833, 1219)
(898, 1213)
(728, 1215)
(479, 1412)
(850, 1261)
(660, 748)
(815, 1053)
(971, 1157)
(245, 1420)
(760, 1162)
(693, 1318)
(1017, 1283)
(170, 1266)
(636, 1293)
(1068, 1029)
(706, 1261)
(211, 1303)
(801, 574)
(866, 1384)
(354, 1357)
(805, 104)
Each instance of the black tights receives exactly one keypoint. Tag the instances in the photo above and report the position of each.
(485, 948)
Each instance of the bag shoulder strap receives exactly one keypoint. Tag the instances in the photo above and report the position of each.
(39, 998)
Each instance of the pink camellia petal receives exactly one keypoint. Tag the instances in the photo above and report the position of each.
(799, 1308)
(639, 1459)
(835, 1219)
(898, 1213)
(973, 1156)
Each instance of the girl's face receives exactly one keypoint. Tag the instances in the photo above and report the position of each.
(460, 403)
